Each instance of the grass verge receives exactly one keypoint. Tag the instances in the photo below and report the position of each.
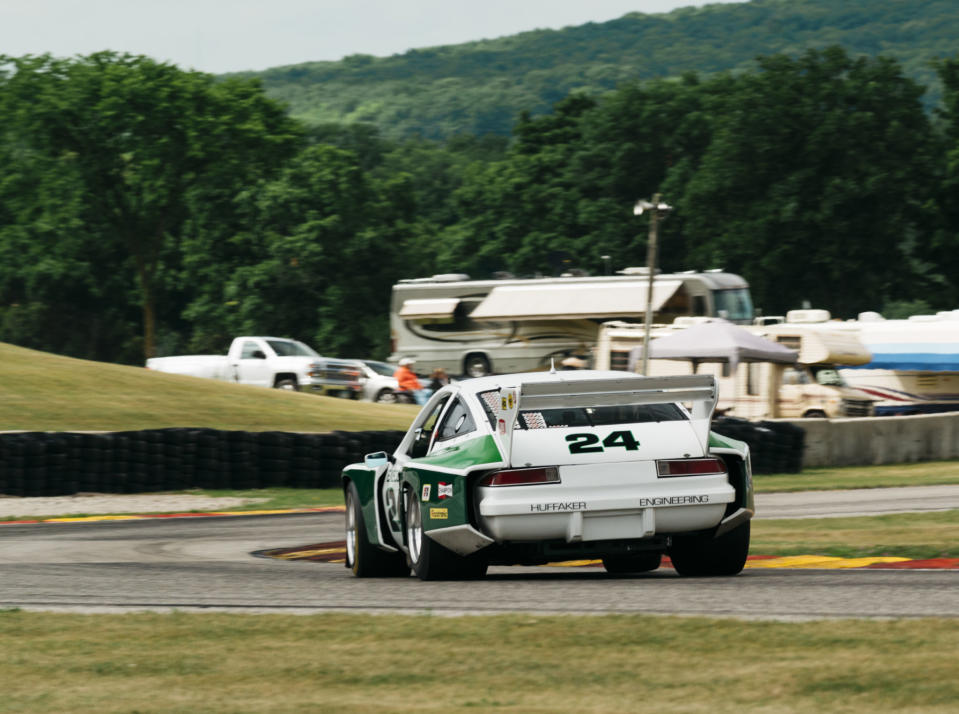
(520, 663)
(925, 473)
(40, 391)
(907, 535)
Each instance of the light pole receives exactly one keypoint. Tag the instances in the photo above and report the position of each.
(657, 212)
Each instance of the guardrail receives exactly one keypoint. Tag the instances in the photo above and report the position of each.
(870, 441)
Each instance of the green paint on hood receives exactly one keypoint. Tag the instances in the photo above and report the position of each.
(475, 452)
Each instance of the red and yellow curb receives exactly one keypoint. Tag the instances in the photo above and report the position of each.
(141, 516)
(335, 552)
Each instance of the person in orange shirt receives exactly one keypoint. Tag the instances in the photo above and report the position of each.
(409, 382)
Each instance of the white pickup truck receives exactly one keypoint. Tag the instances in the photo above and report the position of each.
(268, 362)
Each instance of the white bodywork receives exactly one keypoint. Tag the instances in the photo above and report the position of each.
(613, 494)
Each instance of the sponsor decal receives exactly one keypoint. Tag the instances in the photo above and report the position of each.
(427, 488)
(672, 500)
(558, 506)
(502, 427)
(392, 476)
(439, 514)
(502, 404)
(510, 400)
(444, 490)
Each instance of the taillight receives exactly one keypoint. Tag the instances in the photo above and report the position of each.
(521, 477)
(690, 467)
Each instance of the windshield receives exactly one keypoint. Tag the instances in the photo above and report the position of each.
(829, 378)
(291, 348)
(735, 305)
(383, 368)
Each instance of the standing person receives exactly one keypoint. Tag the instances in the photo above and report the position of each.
(438, 380)
(409, 382)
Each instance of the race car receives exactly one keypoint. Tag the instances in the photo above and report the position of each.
(552, 466)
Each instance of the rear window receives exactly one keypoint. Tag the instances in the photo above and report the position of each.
(585, 416)
(599, 416)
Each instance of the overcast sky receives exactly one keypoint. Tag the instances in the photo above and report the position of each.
(232, 35)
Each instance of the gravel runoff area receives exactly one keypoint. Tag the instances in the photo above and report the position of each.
(99, 503)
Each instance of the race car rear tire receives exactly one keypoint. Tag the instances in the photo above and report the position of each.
(704, 555)
(362, 557)
(632, 563)
(427, 558)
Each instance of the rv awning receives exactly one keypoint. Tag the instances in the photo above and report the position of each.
(573, 300)
(425, 309)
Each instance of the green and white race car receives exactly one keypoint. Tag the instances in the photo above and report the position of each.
(552, 466)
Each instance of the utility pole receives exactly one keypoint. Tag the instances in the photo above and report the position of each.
(657, 212)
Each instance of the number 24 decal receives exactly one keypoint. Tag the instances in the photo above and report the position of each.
(589, 443)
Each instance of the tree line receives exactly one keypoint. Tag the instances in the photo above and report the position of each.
(146, 209)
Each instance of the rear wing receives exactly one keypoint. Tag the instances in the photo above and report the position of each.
(697, 390)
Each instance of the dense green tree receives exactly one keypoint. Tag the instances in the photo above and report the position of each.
(145, 143)
(322, 244)
(814, 183)
(941, 249)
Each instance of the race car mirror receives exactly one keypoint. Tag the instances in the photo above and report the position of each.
(377, 458)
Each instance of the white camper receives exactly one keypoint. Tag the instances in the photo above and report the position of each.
(914, 363)
(813, 387)
(477, 327)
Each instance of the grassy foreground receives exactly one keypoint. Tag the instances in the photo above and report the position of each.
(40, 391)
(215, 662)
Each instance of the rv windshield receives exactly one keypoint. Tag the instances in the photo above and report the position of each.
(829, 377)
(735, 304)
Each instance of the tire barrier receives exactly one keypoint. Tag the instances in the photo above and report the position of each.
(775, 446)
(64, 463)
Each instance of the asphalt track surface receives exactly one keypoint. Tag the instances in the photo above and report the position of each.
(206, 563)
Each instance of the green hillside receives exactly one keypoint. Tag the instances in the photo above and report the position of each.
(40, 391)
(482, 87)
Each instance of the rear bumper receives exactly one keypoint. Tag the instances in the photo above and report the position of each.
(538, 513)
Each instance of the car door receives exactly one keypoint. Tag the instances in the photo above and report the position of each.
(423, 430)
(253, 365)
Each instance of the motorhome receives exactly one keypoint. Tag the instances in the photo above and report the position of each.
(914, 368)
(813, 387)
(477, 327)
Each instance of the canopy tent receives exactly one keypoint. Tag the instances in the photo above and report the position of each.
(717, 341)
(580, 300)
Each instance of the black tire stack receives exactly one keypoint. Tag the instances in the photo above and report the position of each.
(775, 447)
(63, 463)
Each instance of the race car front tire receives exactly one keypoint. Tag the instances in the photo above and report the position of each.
(427, 558)
(362, 557)
(704, 555)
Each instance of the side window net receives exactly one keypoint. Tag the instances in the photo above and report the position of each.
(456, 422)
